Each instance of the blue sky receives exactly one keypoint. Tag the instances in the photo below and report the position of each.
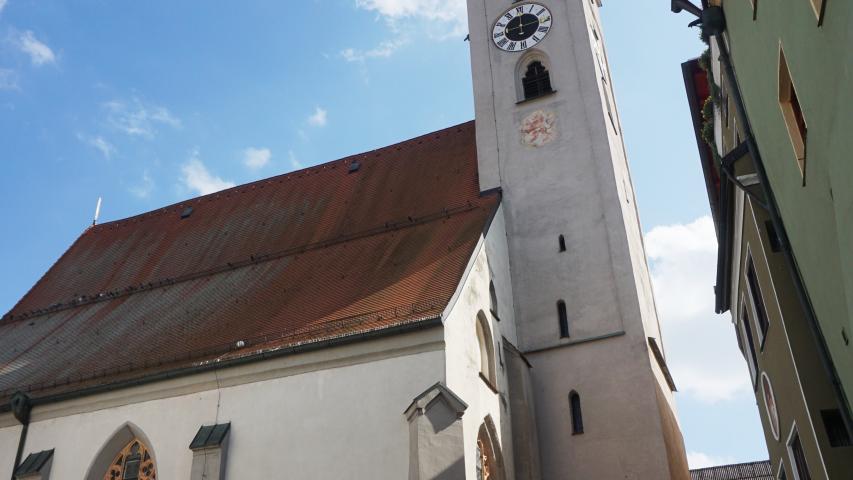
(148, 103)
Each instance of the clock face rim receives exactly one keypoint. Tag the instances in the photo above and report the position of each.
(524, 43)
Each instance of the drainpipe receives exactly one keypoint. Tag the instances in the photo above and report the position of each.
(714, 24)
(21, 407)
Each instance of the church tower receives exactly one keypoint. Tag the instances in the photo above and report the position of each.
(548, 135)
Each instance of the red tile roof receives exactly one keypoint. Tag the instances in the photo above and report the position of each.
(302, 257)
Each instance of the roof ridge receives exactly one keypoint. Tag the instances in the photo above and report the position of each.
(254, 259)
(282, 176)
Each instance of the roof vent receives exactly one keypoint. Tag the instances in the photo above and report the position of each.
(187, 212)
(354, 166)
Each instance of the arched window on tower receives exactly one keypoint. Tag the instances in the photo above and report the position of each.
(493, 300)
(563, 317)
(536, 81)
(577, 416)
(487, 350)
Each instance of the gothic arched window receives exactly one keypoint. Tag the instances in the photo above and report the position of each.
(563, 318)
(536, 81)
(133, 462)
(487, 350)
(487, 463)
(577, 416)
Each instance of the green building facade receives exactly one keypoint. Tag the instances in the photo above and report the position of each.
(771, 105)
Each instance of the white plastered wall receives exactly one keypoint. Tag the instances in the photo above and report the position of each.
(328, 414)
(489, 262)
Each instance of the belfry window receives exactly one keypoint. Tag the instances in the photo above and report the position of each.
(563, 318)
(577, 416)
(536, 81)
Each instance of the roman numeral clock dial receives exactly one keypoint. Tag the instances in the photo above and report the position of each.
(521, 27)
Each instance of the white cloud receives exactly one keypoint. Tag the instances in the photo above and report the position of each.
(383, 50)
(2, 4)
(139, 118)
(40, 53)
(256, 158)
(701, 460)
(294, 162)
(145, 186)
(197, 178)
(319, 118)
(682, 259)
(449, 15)
(8, 79)
(99, 143)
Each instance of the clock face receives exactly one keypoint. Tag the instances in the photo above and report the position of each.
(522, 27)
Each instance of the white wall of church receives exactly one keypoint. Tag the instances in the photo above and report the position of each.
(489, 263)
(328, 414)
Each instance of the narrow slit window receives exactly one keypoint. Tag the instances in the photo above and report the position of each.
(577, 415)
(562, 243)
(493, 300)
(563, 318)
(536, 81)
(792, 113)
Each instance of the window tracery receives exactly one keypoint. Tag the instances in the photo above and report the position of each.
(133, 462)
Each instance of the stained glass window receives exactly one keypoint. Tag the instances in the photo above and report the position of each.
(134, 462)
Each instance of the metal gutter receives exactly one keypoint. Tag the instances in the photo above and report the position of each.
(21, 406)
(213, 365)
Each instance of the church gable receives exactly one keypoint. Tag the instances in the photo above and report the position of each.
(373, 241)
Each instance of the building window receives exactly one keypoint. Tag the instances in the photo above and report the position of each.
(562, 242)
(819, 6)
(563, 318)
(835, 429)
(757, 300)
(748, 347)
(487, 351)
(770, 405)
(486, 464)
(773, 237)
(577, 415)
(792, 113)
(781, 475)
(536, 81)
(493, 300)
(133, 462)
(797, 456)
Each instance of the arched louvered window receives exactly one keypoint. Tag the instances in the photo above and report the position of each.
(577, 415)
(563, 318)
(536, 81)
